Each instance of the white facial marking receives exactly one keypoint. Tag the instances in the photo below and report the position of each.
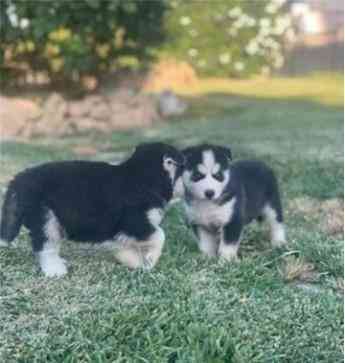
(277, 229)
(208, 168)
(51, 263)
(208, 160)
(170, 166)
(216, 168)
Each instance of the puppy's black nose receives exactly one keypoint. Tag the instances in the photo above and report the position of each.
(209, 194)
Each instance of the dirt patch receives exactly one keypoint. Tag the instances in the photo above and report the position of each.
(329, 213)
(170, 74)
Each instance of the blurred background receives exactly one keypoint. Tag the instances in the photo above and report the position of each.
(92, 65)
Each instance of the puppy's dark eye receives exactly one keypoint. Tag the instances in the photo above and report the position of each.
(197, 176)
(219, 176)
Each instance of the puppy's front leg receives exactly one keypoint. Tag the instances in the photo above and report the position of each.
(130, 256)
(142, 254)
(230, 239)
(207, 242)
(152, 249)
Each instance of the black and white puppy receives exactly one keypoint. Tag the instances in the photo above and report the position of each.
(221, 197)
(95, 202)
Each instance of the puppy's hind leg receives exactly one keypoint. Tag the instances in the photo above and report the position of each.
(46, 235)
(129, 256)
(273, 215)
(141, 254)
(207, 242)
(230, 238)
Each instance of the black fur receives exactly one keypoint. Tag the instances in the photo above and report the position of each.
(93, 201)
(252, 186)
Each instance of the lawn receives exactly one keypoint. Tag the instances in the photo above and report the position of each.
(272, 306)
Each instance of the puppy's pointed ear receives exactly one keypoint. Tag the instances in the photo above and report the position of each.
(226, 151)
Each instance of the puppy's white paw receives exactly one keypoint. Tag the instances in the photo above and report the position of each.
(4, 243)
(53, 266)
(278, 238)
(228, 252)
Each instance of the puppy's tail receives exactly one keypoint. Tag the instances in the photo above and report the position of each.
(11, 217)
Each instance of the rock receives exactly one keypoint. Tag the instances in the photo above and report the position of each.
(15, 115)
(123, 109)
(170, 104)
(52, 120)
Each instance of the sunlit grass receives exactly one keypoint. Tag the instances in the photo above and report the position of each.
(272, 306)
(323, 88)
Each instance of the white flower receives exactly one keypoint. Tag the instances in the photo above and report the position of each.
(24, 23)
(185, 20)
(263, 32)
(251, 21)
(235, 12)
(282, 23)
(239, 23)
(174, 4)
(252, 47)
(279, 3)
(290, 35)
(271, 8)
(265, 23)
(12, 15)
(239, 66)
(193, 52)
(232, 32)
(13, 19)
(201, 63)
(246, 20)
(225, 58)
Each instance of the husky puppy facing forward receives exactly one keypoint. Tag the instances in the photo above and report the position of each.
(95, 202)
(221, 197)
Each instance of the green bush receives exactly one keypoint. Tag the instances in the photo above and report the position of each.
(70, 38)
(228, 37)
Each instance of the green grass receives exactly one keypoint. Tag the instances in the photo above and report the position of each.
(190, 308)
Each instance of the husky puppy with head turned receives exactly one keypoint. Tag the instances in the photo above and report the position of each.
(221, 197)
(95, 202)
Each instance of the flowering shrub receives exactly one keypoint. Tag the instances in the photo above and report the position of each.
(70, 38)
(228, 37)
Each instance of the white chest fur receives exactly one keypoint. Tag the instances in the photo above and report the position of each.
(155, 216)
(208, 213)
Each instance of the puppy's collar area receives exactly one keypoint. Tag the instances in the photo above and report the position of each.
(225, 197)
